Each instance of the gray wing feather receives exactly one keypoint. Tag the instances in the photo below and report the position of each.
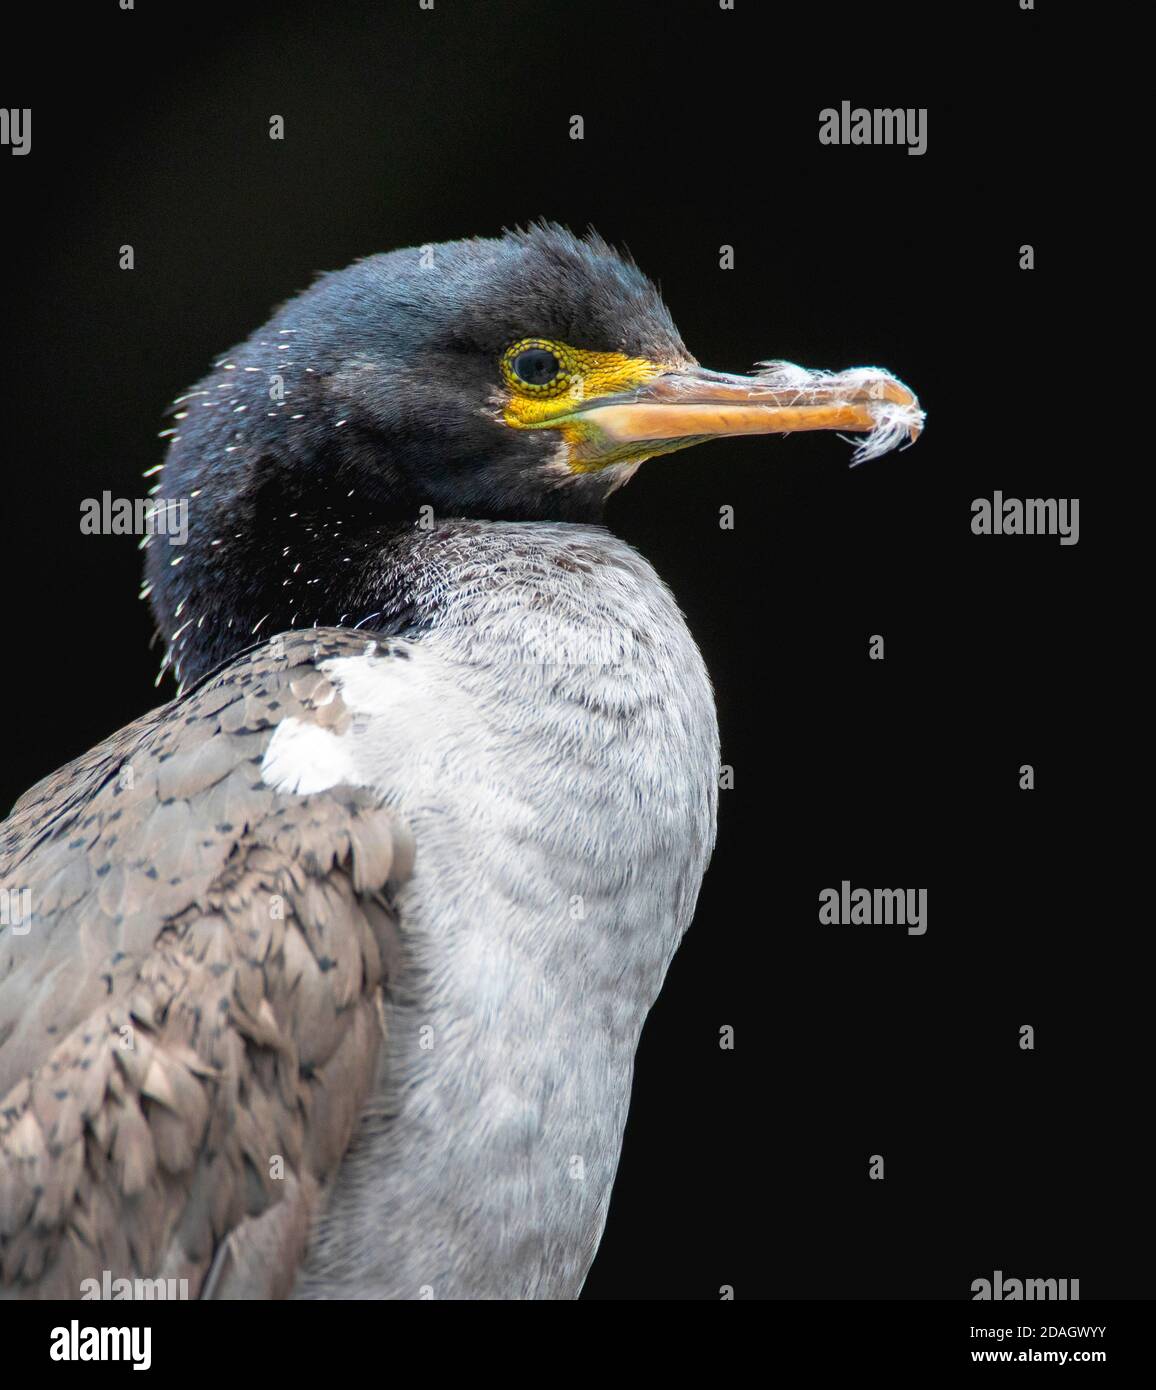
(190, 1020)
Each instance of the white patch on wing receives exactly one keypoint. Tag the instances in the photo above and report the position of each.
(303, 758)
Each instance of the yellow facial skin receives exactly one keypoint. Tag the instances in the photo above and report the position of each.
(609, 408)
(585, 376)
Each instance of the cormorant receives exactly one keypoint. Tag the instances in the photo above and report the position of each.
(336, 964)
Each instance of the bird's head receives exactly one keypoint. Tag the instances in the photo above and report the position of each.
(520, 378)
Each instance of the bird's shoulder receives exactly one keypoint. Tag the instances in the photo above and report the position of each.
(189, 1008)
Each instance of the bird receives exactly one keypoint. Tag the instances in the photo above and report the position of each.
(335, 964)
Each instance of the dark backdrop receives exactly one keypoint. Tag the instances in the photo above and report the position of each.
(747, 1167)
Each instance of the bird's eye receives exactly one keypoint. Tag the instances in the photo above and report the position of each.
(539, 368)
(535, 366)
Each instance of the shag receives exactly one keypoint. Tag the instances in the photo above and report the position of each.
(335, 966)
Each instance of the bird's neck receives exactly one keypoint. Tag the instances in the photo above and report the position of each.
(307, 565)
(318, 564)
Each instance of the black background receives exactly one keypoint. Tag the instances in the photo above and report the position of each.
(749, 1167)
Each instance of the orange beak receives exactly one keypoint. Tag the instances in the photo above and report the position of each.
(692, 404)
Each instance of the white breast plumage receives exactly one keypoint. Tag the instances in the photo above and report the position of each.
(555, 762)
